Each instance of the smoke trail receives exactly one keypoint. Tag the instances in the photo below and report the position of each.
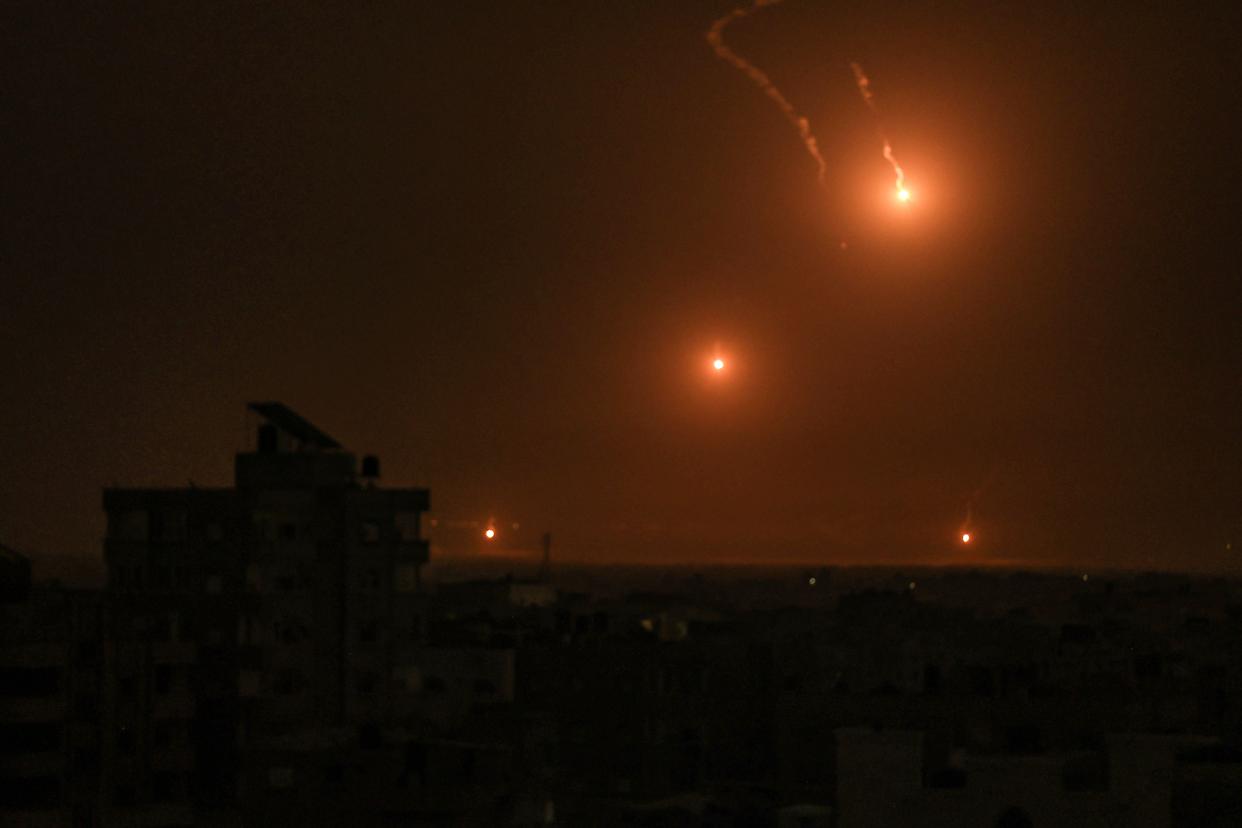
(715, 36)
(864, 89)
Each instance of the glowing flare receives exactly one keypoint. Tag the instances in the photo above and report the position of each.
(718, 364)
(903, 195)
(965, 537)
(489, 534)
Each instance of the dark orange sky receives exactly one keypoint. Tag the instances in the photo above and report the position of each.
(496, 246)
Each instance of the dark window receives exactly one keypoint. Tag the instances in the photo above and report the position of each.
(30, 792)
(981, 682)
(290, 632)
(163, 679)
(86, 761)
(433, 684)
(1014, 818)
(369, 737)
(1147, 666)
(1086, 772)
(29, 737)
(288, 531)
(125, 796)
(1022, 739)
(947, 778)
(29, 682)
(165, 786)
(287, 682)
(86, 708)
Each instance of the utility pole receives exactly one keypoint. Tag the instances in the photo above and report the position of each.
(547, 556)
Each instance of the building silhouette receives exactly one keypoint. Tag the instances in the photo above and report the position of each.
(266, 616)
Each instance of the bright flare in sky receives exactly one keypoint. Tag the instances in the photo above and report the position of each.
(718, 364)
(903, 194)
(965, 537)
(490, 533)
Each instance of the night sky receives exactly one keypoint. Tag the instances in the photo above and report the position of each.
(498, 244)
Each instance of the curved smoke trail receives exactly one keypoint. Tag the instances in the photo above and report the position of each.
(715, 36)
(864, 89)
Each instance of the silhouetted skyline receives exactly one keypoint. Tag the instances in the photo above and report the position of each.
(499, 245)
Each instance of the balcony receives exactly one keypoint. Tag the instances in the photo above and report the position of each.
(172, 758)
(177, 705)
(26, 765)
(172, 652)
(40, 709)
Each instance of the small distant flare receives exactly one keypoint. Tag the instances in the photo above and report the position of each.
(965, 537)
(718, 364)
(490, 533)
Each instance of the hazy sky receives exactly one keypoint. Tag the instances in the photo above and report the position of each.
(498, 243)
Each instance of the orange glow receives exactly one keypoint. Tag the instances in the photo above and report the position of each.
(718, 364)
(903, 194)
(489, 534)
(965, 537)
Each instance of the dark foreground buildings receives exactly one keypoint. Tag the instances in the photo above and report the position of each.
(271, 654)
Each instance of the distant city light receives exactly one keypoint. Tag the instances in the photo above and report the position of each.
(489, 534)
(913, 585)
(718, 364)
(1085, 576)
(812, 582)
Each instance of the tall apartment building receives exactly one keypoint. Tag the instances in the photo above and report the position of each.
(266, 617)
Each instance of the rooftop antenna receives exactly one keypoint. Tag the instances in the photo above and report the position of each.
(547, 556)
